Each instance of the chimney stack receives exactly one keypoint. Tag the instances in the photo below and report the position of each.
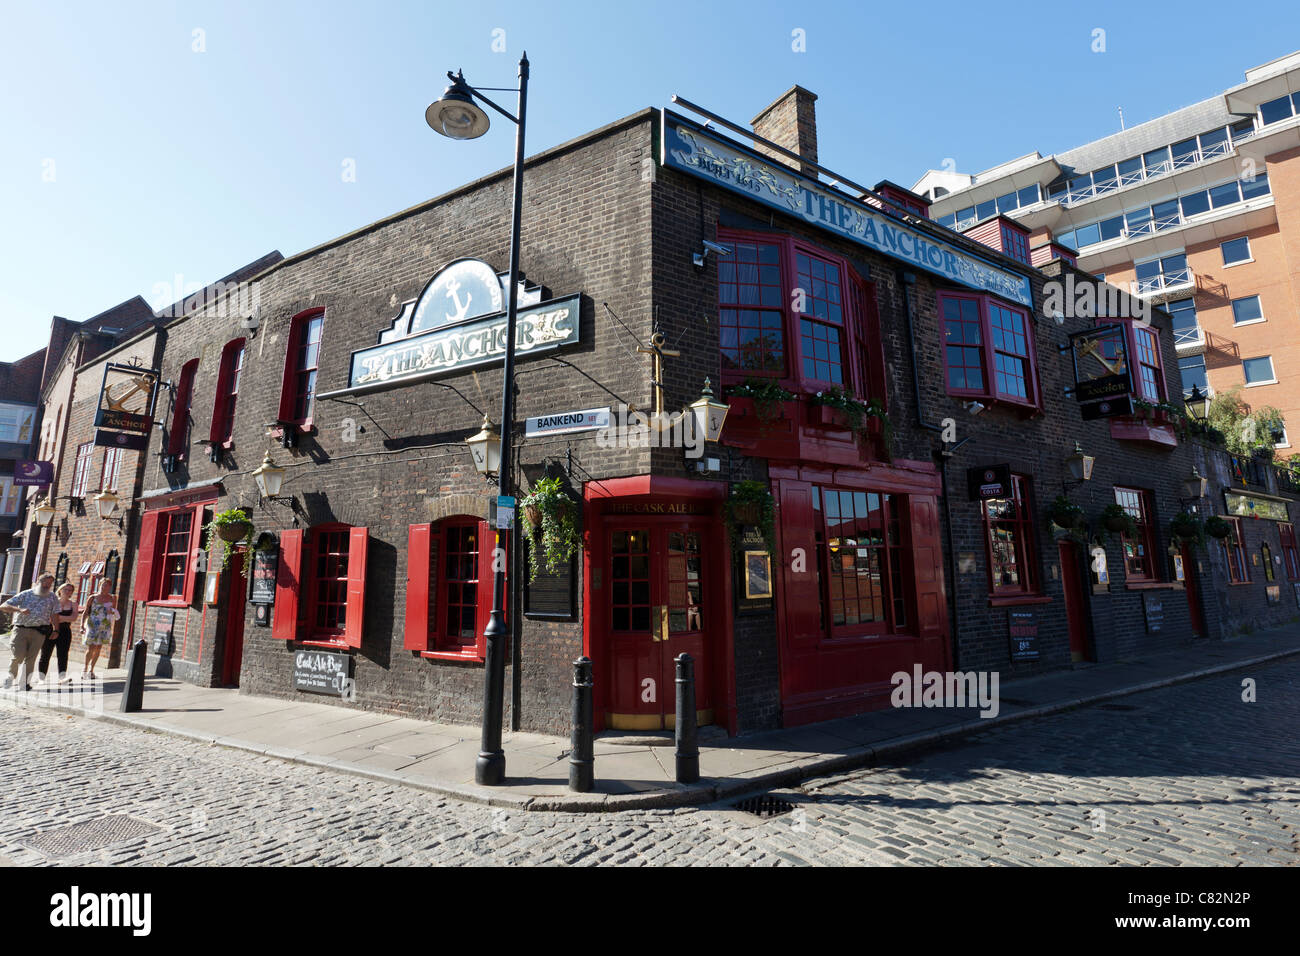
(791, 121)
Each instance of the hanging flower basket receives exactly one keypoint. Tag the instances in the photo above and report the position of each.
(553, 536)
(1217, 527)
(1116, 520)
(234, 531)
(1066, 514)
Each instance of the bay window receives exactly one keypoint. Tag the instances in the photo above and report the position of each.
(988, 350)
(797, 314)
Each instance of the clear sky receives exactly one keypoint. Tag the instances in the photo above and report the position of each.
(142, 143)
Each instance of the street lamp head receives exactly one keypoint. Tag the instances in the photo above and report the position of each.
(106, 503)
(44, 514)
(269, 476)
(486, 448)
(455, 114)
(1198, 404)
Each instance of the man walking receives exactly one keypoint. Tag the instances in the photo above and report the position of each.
(36, 609)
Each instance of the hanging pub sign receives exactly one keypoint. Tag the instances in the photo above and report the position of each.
(1107, 408)
(458, 322)
(1023, 628)
(34, 473)
(989, 481)
(266, 562)
(697, 152)
(127, 398)
(1255, 506)
(1101, 367)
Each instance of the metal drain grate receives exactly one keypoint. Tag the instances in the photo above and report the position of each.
(765, 806)
(91, 835)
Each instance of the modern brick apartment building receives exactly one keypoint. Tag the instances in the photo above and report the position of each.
(916, 535)
(1199, 210)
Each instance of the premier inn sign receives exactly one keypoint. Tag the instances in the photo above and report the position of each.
(444, 330)
(691, 149)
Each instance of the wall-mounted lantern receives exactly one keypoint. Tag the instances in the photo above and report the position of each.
(485, 447)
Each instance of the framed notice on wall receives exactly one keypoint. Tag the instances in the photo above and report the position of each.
(752, 587)
(1022, 626)
(266, 560)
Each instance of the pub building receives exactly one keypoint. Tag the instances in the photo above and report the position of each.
(896, 404)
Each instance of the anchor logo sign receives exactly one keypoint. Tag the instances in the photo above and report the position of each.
(462, 309)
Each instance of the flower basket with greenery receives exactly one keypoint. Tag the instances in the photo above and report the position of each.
(1187, 528)
(858, 416)
(552, 517)
(1143, 409)
(1115, 519)
(751, 503)
(1217, 527)
(232, 528)
(1065, 513)
(766, 394)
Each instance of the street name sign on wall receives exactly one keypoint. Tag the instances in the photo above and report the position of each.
(693, 150)
(563, 423)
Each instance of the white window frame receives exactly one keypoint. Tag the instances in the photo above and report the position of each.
(1250, 253)
(1272, 368)
(1232, 303)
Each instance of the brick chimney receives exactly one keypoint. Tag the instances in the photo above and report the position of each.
(791, 121)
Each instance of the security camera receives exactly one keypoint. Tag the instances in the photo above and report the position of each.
(251, 321)
(716, 248)
(974, 407)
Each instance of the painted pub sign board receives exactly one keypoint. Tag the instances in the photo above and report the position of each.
(690, 148)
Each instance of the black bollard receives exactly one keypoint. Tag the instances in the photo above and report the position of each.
(688, 737)
(133, 692)
(582, 762)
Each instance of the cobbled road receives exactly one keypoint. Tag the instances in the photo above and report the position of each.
(1185, 774)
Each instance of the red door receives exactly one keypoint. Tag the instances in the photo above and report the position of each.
(1075, 609)
(1193, 591)
(656, 608)
(233, 655)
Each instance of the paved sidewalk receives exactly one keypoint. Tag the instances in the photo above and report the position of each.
(631, 771)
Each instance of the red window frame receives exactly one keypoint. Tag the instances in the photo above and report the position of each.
(81, 471)
(305, 607)
(429, 586)
(1142, 502)
(111, 469)
(1016, 516)
(301, 367)
(1290, 556)
(1234, 553)
(883, 530)
(1146, 361)
(773, 306)
(1015, 244)
(177, 438)
(159, 541)
(223, 407)
(1004, 343)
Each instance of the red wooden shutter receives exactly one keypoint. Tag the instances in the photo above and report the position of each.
(417, 587)
(181, 410)
(873, 347)
(931, 599)
(796, 519)
(358, 539)
(285, 626)
(196, 543)
(144, 563)
(221, 400)
(290, 367)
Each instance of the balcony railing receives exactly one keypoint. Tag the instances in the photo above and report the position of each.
(1165, 280)
(1079, 194)
(1247, 471)
(1189, 339)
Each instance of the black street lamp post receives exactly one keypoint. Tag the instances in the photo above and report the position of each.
(456, 115)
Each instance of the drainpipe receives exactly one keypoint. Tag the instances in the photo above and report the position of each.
(907, 280)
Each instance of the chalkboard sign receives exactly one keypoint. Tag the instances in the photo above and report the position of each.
(551, 595)
(323, 672)
(1154, 605)
(265, 563)
(1023, 628)
(162, 632)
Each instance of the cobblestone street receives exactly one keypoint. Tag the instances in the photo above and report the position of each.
(1185, 774)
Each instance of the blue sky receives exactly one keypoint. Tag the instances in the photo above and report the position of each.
(129, 157)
